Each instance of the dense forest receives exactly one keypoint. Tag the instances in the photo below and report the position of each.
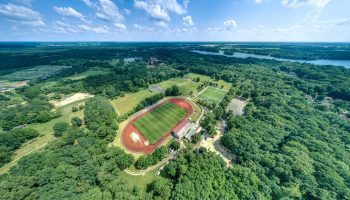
(286, 146)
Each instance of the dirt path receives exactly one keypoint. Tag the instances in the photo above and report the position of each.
(76, 97)
(199, 93)
(213, 145)
(144, 172)
(4, 169)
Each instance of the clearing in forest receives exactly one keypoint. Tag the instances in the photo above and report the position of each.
(236, 106)
(212, 94)
(74, 98)
(159, 121)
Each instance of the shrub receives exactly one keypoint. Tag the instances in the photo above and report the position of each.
(59, 128)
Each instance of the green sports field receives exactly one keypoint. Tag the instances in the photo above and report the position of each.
(159, 121)
(212, 95)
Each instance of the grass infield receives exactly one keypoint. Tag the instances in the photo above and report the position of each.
(159, 121)
(212, 95)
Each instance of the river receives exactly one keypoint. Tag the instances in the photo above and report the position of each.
(344, 63)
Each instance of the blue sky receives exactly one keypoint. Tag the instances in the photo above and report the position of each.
(175, 20)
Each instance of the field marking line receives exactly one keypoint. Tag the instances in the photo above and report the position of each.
(201, 91)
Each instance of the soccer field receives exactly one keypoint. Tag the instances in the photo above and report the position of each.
(212, 95)
(159, 121)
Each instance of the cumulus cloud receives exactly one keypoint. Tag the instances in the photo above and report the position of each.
(143, 28)
(162, 24)
(62, 27)
(68, 11)
(108, 11)
(187, 21)
(230, 24)
(89, 3)
(158, 10)
(120, 26)
(22, 14)
(94, 29)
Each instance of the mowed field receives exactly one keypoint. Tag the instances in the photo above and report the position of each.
(159, 121)
(186, 85)
(212, 94)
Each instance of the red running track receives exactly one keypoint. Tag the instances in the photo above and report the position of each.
(141, 147)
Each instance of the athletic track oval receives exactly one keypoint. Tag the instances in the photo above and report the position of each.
(140, 146)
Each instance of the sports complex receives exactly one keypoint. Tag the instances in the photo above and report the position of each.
(147, 130)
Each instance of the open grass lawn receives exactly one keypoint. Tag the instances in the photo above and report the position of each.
(93, 71)
(140, 182)
(212, 95)
(46, 133)
(126, 103)
(186, 85)
(159, 121)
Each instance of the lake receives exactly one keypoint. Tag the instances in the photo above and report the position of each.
(344, 63)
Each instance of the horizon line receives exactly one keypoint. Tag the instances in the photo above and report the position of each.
(177, 41)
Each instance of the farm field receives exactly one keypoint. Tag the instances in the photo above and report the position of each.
(212, 95)
(40, 71)
(159, 121)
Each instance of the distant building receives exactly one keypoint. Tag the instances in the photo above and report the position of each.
(153, 61)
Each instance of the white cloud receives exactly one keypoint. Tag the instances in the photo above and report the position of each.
(95, 29)
(26, 16)
(25, 2)
(120, 26)
(89, 3)
(108, 11)
(62, 27)
(20, 13)
(230, 24)
(258, 1)
(162, 24)
(187, 21)
(68, 11)
(127, 11)
(34, 23)
(299, 3)
(159, 10)
(143, 28)
(156, 12)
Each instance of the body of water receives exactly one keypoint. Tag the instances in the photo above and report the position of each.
(344, 63)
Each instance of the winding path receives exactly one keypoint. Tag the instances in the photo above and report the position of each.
(143, 172)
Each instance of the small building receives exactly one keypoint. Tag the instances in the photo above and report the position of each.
(185, 129)
(179, 131)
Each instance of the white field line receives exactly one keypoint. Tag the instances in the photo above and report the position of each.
(201, 91)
